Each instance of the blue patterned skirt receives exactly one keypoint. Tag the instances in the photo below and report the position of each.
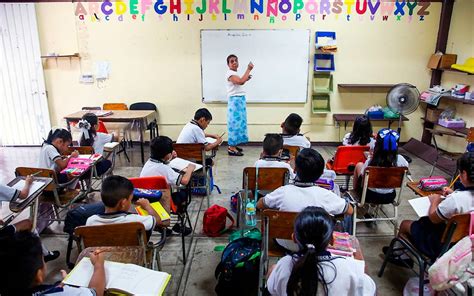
(237, 120)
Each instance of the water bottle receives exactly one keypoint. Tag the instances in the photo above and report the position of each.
(250, 213)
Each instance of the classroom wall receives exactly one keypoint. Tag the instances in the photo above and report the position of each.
(159, 61)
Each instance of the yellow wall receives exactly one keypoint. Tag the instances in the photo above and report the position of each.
(159, 61)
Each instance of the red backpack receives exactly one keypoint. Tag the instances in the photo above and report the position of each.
(215, 219)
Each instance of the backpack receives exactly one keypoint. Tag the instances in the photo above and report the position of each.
(215, 219)
(238, 271)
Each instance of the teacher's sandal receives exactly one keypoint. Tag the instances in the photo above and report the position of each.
(234, 153)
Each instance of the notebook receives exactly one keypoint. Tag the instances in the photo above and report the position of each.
(158, 208)
(180, 164)
(421, 205)
(35, 186)
(126, 277)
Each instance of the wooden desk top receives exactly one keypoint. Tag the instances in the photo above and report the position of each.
(116, 116)
(414, 187)
(352, 117)
(127, 254)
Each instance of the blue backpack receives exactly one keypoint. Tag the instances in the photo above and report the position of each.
(237, 273)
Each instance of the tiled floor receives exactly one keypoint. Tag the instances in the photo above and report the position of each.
(197, 276)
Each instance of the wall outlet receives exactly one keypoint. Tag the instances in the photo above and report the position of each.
(86, 78)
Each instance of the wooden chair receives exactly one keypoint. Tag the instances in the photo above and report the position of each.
(81, 149)
(379, 177)
(121, 234)
(345, 160)
(276, 224)
(293, 150)
(122, 129)
(268, 179)
(456, 228)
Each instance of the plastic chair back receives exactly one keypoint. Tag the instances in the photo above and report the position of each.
(143, 106)
(115, 106)
(91, 108)
(347, 157)
(154, 182)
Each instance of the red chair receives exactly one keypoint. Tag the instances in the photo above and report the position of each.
(345, 160)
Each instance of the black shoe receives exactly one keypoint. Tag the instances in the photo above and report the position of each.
(169, 232)
(407, 262)
(234, 153)
(177, 228)
(51, 256)
(239, 149)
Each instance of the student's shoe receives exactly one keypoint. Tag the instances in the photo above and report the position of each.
(51, 256)
(234, 153)
(169, 232)
(239, 149)
(177, 229)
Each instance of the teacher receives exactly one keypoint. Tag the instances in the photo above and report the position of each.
(236, 106)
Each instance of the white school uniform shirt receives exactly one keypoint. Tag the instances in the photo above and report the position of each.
(100, 140)
(267, 163)
(192, 133)
(292, 198)
(156, 168)
(296, 140)
(8, 193)
(401, 162)
(346, 139)
(121, 217)
(345, 276)
(233, 89)
(48, 155)
(458, 202)
(69, 291)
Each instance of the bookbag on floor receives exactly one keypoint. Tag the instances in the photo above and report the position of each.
(214, 221)
(237, 273)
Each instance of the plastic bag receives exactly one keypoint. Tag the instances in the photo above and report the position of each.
(412, 288)
(449, 113)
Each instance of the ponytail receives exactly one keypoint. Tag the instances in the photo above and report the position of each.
(87, 126)
(58, 133)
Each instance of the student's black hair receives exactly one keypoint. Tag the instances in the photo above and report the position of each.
(203, 112)
(58, 133)
(361, 131)
(313, 233)
(272, 144)
(92, 119)
(160, 147)
(292, 124)
(309, 165)
(466, 164)
(114, 189)
(21, 256)
(386, 149)
(231, 56)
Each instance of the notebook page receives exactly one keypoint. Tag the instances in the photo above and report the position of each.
(421, 205)
(139, 280)
(210, 140)
(82, 273)
(35, 186)
(5, 213)
(180, 164)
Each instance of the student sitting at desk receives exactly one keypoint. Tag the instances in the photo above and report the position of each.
(309, 166)
(290, 130)
(23, 270)
(313, 269)
(361, 135)
(193, 131)
(271, 155)
(117, 194)
(161, 153)
(8, 193)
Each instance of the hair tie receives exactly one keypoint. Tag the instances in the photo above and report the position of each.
(390, 138)
(310, 246)
(84, 126)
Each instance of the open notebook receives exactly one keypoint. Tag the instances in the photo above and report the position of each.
(35, 186)
(180, 164)
(130, 278)
(421, 205)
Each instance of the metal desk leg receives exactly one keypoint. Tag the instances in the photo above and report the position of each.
(34, 212)
(140, 127)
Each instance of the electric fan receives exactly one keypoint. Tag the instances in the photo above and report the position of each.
(403, 98)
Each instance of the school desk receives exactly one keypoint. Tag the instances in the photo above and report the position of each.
(17, 206)
(122, 254)
(140, 117)
(338, 118)
(414, 187)
(165, 201)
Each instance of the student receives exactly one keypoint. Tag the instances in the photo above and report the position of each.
(291, 132)
(117, 194)
(385, 155)
(313, 270)
(193, 131)
(161, 152)
(425, 234)
(271, 155)
(27, 271)
(90, 137)
(362, 133)
(309, 166)
(56, 144)
(8, 193)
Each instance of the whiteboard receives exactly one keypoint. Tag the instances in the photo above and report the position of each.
(280, 58)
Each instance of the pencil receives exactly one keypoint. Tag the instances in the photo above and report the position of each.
(37, 173)
(454, 181)
(222, 135)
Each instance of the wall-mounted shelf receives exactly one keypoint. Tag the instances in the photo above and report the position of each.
(462, 130)
(383, 86)
(451, 98)
(69, 56)
(452, 70)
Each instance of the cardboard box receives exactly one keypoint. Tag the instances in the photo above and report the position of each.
(432, 115)
(439, 61)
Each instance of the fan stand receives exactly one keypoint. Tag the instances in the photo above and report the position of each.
(399, 130)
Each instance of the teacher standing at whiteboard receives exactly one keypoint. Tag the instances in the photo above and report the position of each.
(236, 106)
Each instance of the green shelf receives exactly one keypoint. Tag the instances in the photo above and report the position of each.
(320, 103)
(322, 83)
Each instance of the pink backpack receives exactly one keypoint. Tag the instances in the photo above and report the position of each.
(455, 266)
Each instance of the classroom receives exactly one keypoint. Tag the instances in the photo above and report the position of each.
(237, 147)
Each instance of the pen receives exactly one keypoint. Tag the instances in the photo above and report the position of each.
(37, 173)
